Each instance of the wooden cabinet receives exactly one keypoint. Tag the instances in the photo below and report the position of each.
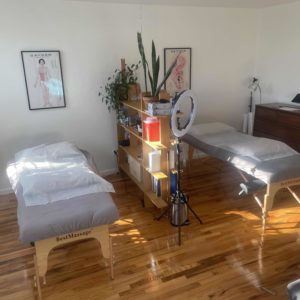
(135, 156)
(278, 121)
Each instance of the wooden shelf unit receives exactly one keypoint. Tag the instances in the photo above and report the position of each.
(139, 149)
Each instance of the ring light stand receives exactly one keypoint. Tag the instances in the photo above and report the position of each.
(179, 205)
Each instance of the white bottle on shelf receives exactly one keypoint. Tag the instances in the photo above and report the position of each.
(154, 161)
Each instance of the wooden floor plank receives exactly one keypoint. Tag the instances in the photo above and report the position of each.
(221, 259)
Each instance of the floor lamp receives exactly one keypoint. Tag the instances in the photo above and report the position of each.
(248, 118)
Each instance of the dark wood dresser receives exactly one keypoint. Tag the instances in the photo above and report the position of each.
(278, 121)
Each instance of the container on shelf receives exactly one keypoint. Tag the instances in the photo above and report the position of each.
(151, 129)
(154, 161)
(135, 168)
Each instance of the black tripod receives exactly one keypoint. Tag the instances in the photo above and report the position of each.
(179, 200)
(179, 205)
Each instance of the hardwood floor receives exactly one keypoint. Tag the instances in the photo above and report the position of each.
(221, 259)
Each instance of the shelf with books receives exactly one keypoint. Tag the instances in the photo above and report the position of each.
(139, 106)
(136, 105)
(131, 130)
(157, 201)
(134, 150)
(156, 145)
(157, 175)
(125, 168)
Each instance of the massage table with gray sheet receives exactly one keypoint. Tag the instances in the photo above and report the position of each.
(54, 224)
(273, 163)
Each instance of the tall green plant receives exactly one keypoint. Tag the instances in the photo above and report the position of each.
(143, 57)
(155, 62)
(117, 85)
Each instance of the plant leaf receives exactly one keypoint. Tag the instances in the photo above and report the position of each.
(167, 75)
(143, 57)
(151, 83)
(154, 69)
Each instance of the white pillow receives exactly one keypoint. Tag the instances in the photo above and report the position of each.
(55, 172)
(54, 151)
(61, 183)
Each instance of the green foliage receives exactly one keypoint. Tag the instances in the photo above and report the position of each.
(143, 57)
(116, 88)
(155, 62)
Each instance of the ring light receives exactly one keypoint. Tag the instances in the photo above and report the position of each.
(183, 112)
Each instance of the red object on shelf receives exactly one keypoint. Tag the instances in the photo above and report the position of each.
(151, 129)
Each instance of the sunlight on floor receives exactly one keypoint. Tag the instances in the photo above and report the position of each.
(244, 214)
(135, 234)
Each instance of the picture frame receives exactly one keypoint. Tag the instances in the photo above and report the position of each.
(43, 79)
(180, 78)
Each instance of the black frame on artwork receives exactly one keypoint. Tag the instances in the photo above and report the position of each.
(179, 48)
(61, 75)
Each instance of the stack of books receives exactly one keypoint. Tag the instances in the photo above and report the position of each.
(159, 109)
(156, 186)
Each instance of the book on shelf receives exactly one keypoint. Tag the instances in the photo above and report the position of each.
(156, 186)
(173, 181)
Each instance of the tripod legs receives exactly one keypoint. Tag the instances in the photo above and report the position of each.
(168, 208)
(194, 213)
(166, 212)
(179, 235)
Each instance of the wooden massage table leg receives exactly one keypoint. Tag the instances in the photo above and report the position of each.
(37, 278)
(272, 189)
(42, 250)
(105, 240)
(44, 247)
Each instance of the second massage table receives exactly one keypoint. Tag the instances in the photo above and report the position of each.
(273, 163)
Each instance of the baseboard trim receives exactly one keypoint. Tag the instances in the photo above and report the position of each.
(6, 191)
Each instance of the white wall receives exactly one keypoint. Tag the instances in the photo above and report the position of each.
(278, 60)
(92, 38)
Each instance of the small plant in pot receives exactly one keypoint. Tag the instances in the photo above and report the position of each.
(153, 72)
(117, 86)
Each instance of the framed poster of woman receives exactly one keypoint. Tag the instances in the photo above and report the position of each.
(180, 78)
(43, 78)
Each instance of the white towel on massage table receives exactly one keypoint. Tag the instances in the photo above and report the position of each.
(50, 173)
(265, 159)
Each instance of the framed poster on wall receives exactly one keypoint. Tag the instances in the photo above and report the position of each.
(43, 78)
(180, 78)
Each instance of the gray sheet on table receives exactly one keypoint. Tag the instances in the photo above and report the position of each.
(275, 167)
(44, 221)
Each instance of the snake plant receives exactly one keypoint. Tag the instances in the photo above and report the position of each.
(155, 60)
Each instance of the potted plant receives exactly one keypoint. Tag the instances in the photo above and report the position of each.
(152, 73)
(117, 87)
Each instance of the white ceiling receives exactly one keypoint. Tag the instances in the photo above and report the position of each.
(213, 3)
